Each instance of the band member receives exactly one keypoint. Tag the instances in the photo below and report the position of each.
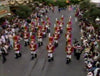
(56, 37)
(57, 21)
(33, 47)
(69, 50)
(62, 18)
(26, 38)
(61, 27)
(48, 27)
(32, 29)
(68, 28)
(57, 29)
(44, 31)
(17, 49)
(51, 38)
(68, 37)
(50, 49)
(40, 36)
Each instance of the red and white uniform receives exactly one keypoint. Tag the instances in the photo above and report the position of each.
(26, 35)
(57, 29)
(44, 29)
(50, 48)
(51, 39)
(62, 18)
(69, 40)
(68, 35)
(69, 29)
(16, 47)
(56, 36)
(61, 25)
(33, 47)
(39, 34)
(69, 50)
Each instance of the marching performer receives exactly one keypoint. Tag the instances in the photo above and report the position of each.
(33, 47)
(56, 37)
(68, 37)
(48, 27)
(40, 36)
(68, 27)
(50, 49)
(57, 21)
(17, 47)
(61, 27)
(26, 38)
(44, 31)
(32, 29)
(69, 50)
(62, 18)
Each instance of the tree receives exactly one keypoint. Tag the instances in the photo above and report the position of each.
(90, 11)
(23, 11)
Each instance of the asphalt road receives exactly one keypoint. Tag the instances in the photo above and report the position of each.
(40, 66)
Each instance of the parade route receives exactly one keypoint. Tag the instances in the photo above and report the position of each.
(24, 66)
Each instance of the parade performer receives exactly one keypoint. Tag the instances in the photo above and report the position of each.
(48, 27)
(33, 47)
(68, 27)
(61, 27)
(68, 37)
(32, 29)
(17, 47)
(26, 38)
(57, 21)
(62, 18)
(69, 50)
(50, 49)
(56, 37)
(44, 31)
(40, 36)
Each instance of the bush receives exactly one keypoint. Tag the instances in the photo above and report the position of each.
(23, 11)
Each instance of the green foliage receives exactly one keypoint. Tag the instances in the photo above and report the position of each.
(23, 11)
(91, 12)
(61, 4)
(74, 1)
